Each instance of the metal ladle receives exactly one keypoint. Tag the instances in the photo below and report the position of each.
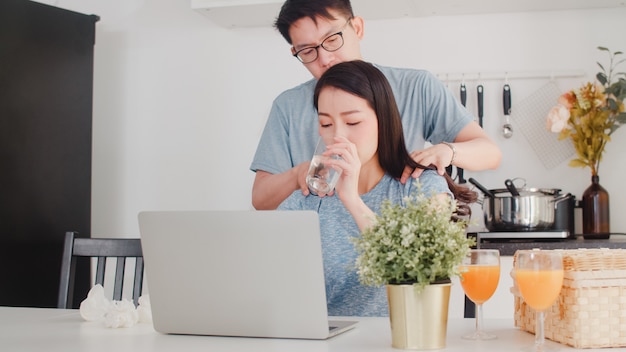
(507, 128)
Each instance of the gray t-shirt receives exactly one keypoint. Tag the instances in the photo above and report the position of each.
(429, 113)
(345, 295)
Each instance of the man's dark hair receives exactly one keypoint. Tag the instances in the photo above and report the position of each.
(293, 10)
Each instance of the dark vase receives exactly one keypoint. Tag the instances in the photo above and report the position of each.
(596, 219)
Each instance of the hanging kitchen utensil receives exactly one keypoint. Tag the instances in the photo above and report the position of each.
(530, 117)
(507, 128)
(450, 168)
(463, 93)
(511, 187)
(480, 93)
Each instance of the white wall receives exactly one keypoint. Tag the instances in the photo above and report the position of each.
(180, 102)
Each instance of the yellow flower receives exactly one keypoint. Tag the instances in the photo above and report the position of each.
(590, 114)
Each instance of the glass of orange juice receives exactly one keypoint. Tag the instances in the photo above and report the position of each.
(539, 278)
(480, 273)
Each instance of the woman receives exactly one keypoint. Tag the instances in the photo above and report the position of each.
(359, 120)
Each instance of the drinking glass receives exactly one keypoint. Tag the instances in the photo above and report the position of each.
(321, 178)
(480, 273)
(539, 277)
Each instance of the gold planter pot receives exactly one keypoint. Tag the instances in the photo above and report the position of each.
(419, 321)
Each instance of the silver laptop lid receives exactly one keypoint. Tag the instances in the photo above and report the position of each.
(235, 273)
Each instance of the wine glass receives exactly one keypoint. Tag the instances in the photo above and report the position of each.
(539, 277)
(480, 273)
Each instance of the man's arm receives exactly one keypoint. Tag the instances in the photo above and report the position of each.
(269, 190)
(472, 150)
(475, 151)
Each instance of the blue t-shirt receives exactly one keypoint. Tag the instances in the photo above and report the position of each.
(344, 293)
(429, 113)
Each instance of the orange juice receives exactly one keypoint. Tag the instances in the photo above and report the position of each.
(479, 281)
(540, 288)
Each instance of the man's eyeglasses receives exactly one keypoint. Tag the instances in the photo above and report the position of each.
(331, 43)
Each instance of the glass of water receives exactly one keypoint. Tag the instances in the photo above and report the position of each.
(322, 178)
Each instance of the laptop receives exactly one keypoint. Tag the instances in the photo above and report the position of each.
(237, 273)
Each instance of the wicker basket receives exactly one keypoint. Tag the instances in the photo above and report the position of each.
(591, 309)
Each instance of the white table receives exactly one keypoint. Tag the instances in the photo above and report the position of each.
(40, 329)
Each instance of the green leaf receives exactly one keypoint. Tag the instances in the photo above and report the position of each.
(601, 77)
(415, 243)
(602, 48)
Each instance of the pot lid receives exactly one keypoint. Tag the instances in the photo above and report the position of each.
(503, 192)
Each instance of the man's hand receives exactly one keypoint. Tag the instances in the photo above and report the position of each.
(438, 155)
(269, 190)
(301, 172)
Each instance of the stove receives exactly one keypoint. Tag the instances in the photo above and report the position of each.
(523, 235)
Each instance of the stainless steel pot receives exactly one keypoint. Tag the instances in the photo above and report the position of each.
(532, 210)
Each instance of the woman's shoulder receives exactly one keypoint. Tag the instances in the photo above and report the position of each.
(431, 182)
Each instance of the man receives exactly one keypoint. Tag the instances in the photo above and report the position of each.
(326, 32)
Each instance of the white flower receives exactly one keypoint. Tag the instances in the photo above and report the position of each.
(557, 119)
(407, 239)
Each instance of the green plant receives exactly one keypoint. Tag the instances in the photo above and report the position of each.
(415, 243)
(590, 114)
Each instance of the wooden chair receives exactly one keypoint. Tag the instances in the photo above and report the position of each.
(101, 248)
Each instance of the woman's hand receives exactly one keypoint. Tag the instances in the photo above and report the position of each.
(350, 165)
(348, 184)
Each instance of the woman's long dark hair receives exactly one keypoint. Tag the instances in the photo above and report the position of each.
(364, 80)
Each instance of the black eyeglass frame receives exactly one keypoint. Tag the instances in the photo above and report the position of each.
(340, 34)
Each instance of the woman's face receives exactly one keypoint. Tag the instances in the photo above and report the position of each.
(342, 114)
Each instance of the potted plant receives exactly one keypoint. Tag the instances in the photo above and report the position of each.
(588, 116)
(414, 249)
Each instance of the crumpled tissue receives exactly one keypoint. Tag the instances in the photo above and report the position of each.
(144, 309)
(122, 314)
(95, 305)
(115, 314)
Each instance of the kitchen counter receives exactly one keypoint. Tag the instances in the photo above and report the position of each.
(41, 329)
(508, 247)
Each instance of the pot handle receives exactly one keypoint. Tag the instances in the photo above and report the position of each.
(561, 198)
(482, 188)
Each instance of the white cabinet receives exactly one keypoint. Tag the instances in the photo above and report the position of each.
(262, 13)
